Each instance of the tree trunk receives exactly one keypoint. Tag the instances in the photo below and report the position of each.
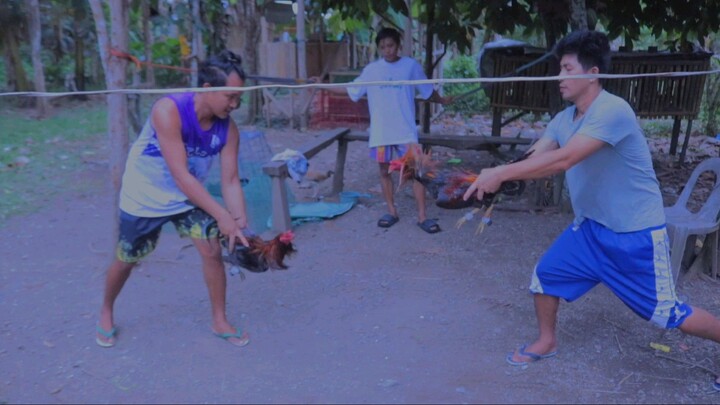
(9, 72)
(148, 37)
(429, 51)
(407, 49)
(33, 8)
(79, 35)
(245, 19)
(197, 47)
(578, 15)
(21, 81)
(114, 79)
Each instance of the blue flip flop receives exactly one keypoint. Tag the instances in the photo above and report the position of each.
(387, 220)
(429, 226)
(533, 356)
(109, 334)
(244, 338)
(716, 385)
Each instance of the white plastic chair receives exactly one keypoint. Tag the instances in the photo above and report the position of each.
(681, 223)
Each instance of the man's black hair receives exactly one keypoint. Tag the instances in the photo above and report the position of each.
(591, 47)
(388, 33)
(216, 69)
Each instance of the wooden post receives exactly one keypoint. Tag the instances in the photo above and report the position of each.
(280, 211)
(686, 141)
(675, 135)
(302, 55)
(339, 176)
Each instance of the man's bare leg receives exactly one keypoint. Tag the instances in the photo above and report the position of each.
(216, 281)
(117, 275)
(546, 308)
(702, 324)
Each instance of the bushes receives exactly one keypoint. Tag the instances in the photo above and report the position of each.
(464, 67)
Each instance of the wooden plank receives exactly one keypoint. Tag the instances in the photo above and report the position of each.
(339, 176)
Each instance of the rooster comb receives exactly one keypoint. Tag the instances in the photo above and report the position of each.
(287, 237)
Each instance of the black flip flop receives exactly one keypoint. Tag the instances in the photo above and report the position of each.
(429, 226)
(387, 220)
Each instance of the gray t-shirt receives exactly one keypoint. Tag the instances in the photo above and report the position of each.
(615, 186)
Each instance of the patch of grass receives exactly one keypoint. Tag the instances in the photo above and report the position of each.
(40, 158)
(657, 128)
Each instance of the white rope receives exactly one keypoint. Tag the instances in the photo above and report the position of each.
(369, 83)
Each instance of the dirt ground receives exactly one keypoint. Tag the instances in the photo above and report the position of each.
(363, 315)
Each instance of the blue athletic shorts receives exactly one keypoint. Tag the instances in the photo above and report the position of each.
(138, 235)
(635, 266)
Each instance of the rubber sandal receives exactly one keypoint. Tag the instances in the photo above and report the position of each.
(429, 226)
(108, 335)
(533, 356)
(244, 338)
(387, 220)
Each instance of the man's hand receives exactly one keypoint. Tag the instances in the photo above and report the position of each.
(488, 181)
(232, 231)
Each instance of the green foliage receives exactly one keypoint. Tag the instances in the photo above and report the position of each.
(165, 52)
(56, 148)
(464, 67)
(3, 75)
(657, 128)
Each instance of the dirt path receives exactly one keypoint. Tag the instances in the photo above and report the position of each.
(363, 315)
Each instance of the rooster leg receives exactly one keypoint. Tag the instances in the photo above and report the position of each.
(467, 217)
(485, 220)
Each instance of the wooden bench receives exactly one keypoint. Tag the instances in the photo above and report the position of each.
(278, 172)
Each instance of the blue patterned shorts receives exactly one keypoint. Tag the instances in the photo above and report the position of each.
(138, 235)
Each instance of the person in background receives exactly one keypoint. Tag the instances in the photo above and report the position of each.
(392, 118)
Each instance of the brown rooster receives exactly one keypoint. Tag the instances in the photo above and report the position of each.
(261, 255)
(413, 165)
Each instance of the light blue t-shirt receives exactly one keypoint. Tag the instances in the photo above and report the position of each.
(615, 186)
(392, 107)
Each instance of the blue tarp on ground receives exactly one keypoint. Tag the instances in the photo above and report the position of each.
(320, 211)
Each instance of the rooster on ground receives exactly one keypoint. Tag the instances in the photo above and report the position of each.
(261, 255)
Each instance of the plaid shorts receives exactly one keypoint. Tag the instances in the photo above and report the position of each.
(387, 153)
(138, 235)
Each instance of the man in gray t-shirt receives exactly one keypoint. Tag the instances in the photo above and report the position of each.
(618, 237)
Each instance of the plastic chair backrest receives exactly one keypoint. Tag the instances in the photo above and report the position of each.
(711, 208)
